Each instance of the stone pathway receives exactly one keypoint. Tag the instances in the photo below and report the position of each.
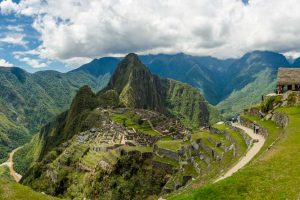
(249, 155)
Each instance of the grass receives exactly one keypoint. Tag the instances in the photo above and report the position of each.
(274, 174)
(129, 121)
(173, 145)
(166, 160)
(15, 191)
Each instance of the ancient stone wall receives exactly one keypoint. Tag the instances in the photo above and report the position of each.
(280, 119)
(168, 153)
(245, 136)
(165, 166)
(248, 123)
(252, 112)
(210, 151)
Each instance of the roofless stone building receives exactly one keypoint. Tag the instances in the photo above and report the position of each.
(288, 79)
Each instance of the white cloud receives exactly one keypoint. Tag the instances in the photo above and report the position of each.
(8, 6)
(4, 63)
(35, 63)
(15, 28)
(12, 38)
(74, 30)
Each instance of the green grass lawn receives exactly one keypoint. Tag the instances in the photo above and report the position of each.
(173, 145)
(128, 120)
(11, 190)
(274, 174)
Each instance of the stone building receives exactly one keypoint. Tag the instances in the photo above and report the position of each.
(288, 79)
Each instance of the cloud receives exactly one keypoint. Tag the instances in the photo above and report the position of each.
(15, 28)
(35, 63)
(8, 6)
(12, 38)
(4, 63)
(73, 31)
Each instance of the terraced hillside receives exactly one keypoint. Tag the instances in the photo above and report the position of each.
(161, 149)
(274, 173)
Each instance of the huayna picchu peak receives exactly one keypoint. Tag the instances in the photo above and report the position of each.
(135, 85)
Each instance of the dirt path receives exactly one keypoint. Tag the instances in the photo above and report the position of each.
(249, 155)
(10, 164)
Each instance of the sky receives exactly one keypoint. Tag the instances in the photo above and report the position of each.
(62, 35)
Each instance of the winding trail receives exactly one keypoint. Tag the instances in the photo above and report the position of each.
(249, 155)
(10, 164)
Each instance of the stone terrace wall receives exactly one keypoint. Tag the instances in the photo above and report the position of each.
(280, 119)
(168, 153)
(245, 136)
(159, 165)
(248, 123)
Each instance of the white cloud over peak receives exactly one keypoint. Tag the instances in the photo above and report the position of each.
(74, 30)
(15, 39)
(35, 63)
(4, 63)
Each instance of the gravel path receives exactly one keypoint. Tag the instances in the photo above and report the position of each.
(249, 155)
(10, 164)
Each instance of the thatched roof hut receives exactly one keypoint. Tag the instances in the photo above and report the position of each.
(288, 76)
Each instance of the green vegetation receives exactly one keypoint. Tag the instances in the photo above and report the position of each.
(273, 174)
(238, 139)
(263, 83)
(214, 169)
(166, 160)
(29, 101)
(133, 121)
(173, 145)
(137, 148)
(15, 191)
(187, 104)
(11, 136)
(269, 103)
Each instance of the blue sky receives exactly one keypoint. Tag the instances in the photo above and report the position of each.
(62, 35)
(16, 36)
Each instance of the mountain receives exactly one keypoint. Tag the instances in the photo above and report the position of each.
(138, 137)
(249, 78)
(296, 62)
(202, 72)
(28, 101)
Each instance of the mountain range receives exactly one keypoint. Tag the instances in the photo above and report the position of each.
(28, 100)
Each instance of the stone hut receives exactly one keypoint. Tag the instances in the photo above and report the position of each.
(288, 79)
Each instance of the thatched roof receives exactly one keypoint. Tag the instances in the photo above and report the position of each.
(288, 76)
